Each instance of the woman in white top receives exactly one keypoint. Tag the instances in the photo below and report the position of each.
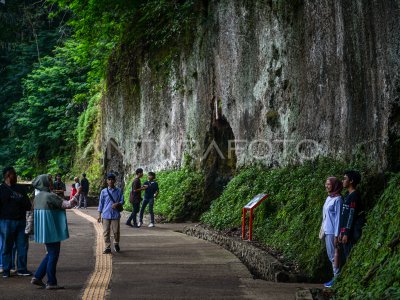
(331, 221)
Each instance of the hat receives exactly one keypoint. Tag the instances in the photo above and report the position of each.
(110, 176)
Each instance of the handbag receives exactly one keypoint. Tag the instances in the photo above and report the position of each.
(321, 232)
(119, 207)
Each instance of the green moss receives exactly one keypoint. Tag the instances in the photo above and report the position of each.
(87, 121)
(180, 197)
(290, 219)
(376, 251)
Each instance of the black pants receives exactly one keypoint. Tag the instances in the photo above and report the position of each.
(133, 216)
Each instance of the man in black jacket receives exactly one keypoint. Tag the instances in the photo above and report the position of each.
(84, 191)
(14, 203)
(351, 219)
(135, 198)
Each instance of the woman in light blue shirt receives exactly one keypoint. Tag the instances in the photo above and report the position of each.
(331, 221)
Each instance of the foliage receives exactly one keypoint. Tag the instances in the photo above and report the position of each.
(290, 218)
(28, 36)
(87, 121)
(181, 194)
(376, 251)
(42, 122)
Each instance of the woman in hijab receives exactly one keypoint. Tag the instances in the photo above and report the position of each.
(50, 228)
(331, 222)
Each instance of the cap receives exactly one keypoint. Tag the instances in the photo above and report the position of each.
(110, 176)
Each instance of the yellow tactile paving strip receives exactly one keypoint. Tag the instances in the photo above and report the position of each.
(100, 278)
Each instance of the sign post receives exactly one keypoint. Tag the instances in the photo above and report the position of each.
(256, 201)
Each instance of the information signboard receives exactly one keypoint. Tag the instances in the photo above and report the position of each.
(253, 202)
(250, 206)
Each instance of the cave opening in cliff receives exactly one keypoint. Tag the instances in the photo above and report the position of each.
(114, 162)
(219, 163)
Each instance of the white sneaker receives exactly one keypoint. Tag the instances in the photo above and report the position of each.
(140, 224)
(151, 225)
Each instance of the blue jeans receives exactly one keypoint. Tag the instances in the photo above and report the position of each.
(135, 210)
(1, 250)
(13, 232)
(49, 264)
(146, 202)
(14, 252)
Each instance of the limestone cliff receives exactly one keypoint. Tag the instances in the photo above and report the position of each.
(283, 80)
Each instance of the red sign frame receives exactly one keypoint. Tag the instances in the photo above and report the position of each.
(255, 202)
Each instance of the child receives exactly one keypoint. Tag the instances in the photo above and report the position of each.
(151, 192)
(73, 191)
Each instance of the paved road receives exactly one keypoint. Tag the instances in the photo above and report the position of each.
(74, 267)
(154, 263)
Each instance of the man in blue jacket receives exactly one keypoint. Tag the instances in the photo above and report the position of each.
(111, 201)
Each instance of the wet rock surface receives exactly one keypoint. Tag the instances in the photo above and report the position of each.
(291, 79)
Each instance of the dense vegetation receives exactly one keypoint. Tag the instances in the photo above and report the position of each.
(180, 197)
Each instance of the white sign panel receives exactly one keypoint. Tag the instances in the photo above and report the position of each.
(254, 201)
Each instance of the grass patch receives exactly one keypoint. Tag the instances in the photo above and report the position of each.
(180, 197)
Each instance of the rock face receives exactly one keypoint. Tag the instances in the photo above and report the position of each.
(275, 82)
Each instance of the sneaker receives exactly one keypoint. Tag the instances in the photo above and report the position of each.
(330, 283)
(151, 225)
(135, 225)
(13, 271)
(6, 274)
(129, 224)
(38, 282)
(24, 273)
(116, 247)
(54, 287)
(140, 224)
(107, 251)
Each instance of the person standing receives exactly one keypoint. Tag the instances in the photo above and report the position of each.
(73, 191)
(14, 204)
(351, 220)
(28, 232)
(331, 222)
(50, 228)
(59, 186)
(151, 192)
(84, 191)
(135, 198)
(78, 189)
(110, 203)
